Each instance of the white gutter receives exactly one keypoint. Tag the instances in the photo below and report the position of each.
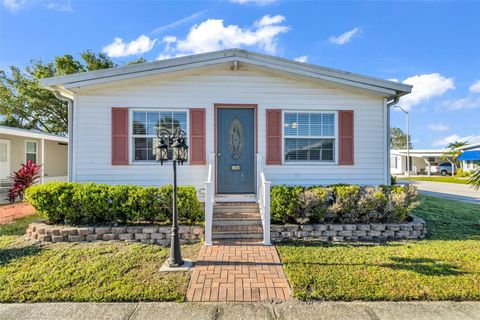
(70, 133)
(388, 105)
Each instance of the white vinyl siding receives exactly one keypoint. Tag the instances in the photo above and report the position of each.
(204, 88)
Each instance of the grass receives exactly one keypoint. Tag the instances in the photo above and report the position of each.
(109, 271)
(447, 179)
(445, 266)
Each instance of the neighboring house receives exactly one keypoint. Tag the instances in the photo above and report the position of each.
(17, 146)
(310, 125)
(421, 161)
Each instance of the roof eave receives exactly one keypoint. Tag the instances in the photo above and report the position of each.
(386, 87)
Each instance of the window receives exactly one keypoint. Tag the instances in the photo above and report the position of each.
(431, 159)
(144, 130)
(31, 151)
(394, 162)
(309, 136)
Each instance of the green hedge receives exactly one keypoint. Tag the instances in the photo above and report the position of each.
(341, 204)
(77, 203)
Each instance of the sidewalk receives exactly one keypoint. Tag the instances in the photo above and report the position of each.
(238, 311)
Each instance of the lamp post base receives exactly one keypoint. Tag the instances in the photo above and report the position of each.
(186, 266)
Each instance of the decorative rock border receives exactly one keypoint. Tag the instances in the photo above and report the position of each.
(40, 231)
(416, 229)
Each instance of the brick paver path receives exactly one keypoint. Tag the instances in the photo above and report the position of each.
(238, 271)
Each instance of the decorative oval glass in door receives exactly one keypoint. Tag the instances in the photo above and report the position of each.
(236, 139)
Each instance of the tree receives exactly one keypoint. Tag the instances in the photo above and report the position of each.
(25, 104)
(475, 180)
(398, 139)
(453, 152)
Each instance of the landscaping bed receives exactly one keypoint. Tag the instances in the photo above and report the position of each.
(444, 266)
(10, 212)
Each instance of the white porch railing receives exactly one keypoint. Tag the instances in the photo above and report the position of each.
(209, 199)
(263, 197)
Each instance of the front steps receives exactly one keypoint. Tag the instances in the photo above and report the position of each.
(237, 220)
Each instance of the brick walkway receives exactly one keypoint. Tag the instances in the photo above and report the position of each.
(238, 271)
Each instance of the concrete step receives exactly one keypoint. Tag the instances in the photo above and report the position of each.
(250, 208)
(237, 222)
(236, 215)
(238, 228)
(237, 235)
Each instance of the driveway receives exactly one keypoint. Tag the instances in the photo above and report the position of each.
(447, 310)
(454, 191)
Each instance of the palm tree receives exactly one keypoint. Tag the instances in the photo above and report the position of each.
(453, 151)
(475, 180)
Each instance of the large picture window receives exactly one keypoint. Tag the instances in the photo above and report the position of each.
(309, 136)
(144, 131)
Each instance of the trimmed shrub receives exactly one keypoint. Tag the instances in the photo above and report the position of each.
(285, 203)
(342, 204)
(76, 203)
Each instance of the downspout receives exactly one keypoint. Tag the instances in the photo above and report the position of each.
(70, 133)
(390, 104)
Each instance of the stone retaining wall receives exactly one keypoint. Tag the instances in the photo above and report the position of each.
(146, 234)
(415, 229)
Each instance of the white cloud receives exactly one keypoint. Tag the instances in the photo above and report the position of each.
(475, 88)
(443, 142)
(269, 20)
(469, 102)
(60, 6)
(212, 35)
(303, 58)
(344, 37)
(118, 48)
(14, 5)
(440, 126)
(257, 2)
(425, 87)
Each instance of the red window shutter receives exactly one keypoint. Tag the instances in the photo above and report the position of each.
(274, 136)
(345, 120)
(119, 136)
(197, 136)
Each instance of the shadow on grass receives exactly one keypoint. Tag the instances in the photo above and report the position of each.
(9, 254)
(424, 266)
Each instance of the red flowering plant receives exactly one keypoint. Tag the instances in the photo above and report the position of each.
(22, 179)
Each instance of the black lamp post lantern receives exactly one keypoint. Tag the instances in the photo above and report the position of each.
(176, 140)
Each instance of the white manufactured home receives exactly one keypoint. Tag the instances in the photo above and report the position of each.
(250, 118)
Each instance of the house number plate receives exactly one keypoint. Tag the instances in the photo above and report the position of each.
(235, 168)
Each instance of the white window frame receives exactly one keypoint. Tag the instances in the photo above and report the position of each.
(335, 137)
(36, 151)
(131, 136)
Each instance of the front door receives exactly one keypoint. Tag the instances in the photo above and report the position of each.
(235, 150)
(4, 159)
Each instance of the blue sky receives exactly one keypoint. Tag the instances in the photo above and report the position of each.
(434, 45)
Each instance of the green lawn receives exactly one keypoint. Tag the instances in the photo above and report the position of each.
(445, 266)
(110, 271)
(448, 179)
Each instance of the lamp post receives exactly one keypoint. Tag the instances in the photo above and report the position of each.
(408, 139)
(176, 140)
